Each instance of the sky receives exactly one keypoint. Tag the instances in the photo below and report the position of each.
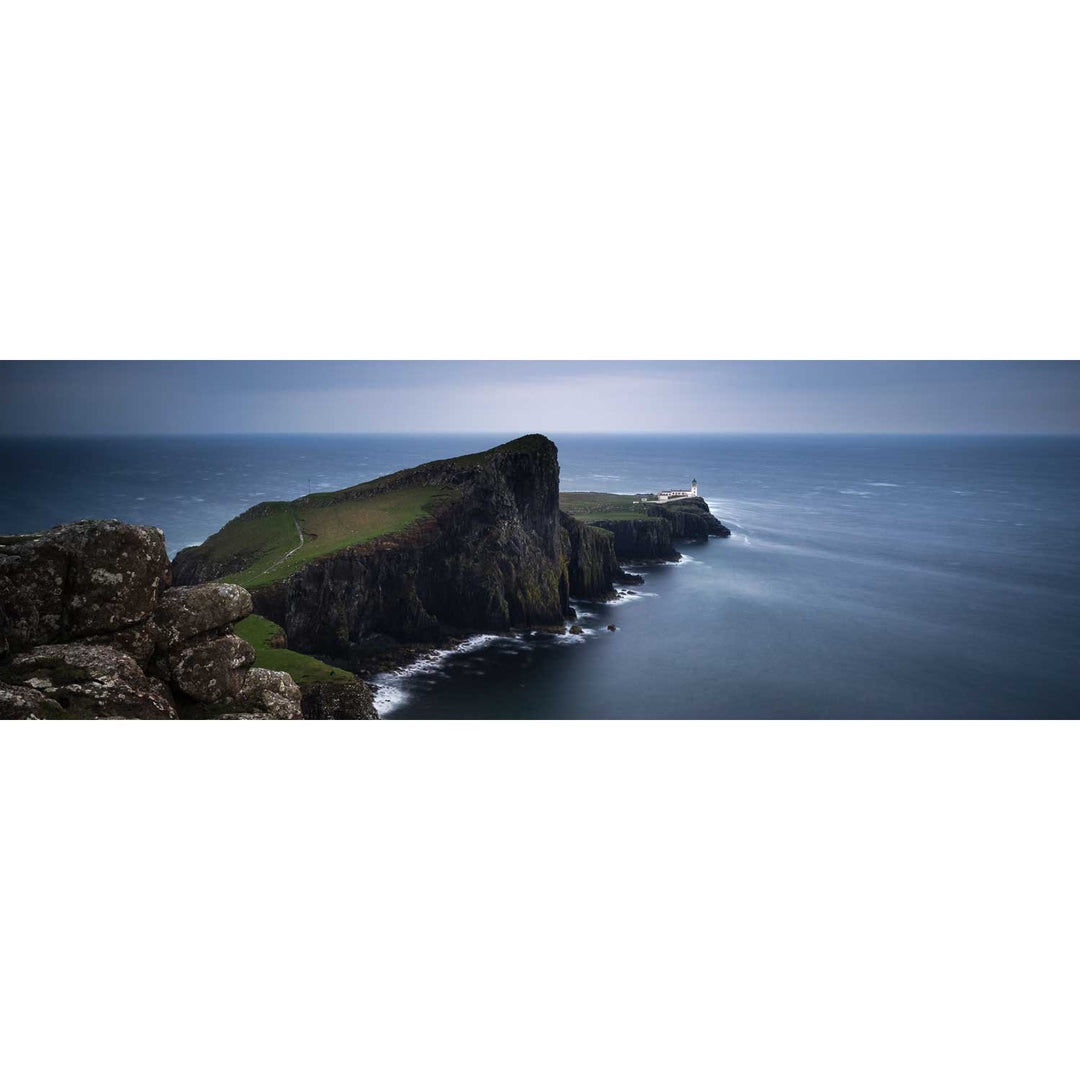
(219, 397)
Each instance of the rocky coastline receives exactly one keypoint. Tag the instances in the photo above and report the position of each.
(95, 621)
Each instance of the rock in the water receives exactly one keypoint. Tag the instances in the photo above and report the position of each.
(187, 611)
(576, 629)
(339, 701)
(211, 669)
(89, 577)
(612, 626)
(274, 693)
(85, 681)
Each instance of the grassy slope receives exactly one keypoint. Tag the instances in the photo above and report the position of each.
(304, 669)
(328, 521)
(601, 506)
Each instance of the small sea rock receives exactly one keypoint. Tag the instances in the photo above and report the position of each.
(612, 626)
(576, 629)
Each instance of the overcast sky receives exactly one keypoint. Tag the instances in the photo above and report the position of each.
(199, 397)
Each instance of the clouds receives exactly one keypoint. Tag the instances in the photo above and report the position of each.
(200, 397)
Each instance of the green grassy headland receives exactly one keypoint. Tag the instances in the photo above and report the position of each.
(601, 506)
(268, 535)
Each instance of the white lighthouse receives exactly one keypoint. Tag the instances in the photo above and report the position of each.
(667, 496)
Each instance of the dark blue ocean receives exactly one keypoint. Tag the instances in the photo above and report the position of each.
(866, 576)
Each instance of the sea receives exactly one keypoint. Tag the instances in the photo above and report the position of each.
(866, 577)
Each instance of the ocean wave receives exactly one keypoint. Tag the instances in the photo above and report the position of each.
(628, 598)
(390, 694)
(879, 483)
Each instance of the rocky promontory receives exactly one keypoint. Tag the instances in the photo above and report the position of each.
(641, 527)
(277, 613)
(421, 557)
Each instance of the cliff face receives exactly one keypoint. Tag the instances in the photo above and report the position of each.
(653, 536)
(491, 552)
(592, 564)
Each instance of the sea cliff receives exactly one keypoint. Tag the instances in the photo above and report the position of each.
(642, 528)
(488, 550)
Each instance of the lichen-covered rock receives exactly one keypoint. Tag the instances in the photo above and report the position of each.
(338, 701)
(210, 669)
(25, 703)
(85, 681)
(274, 693)
(85, 578)
(187, 611)
(137, 641)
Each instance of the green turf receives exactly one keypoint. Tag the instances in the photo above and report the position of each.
(602, 506)
(267, 537)
(304, 669)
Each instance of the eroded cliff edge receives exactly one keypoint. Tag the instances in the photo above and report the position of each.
(468, 544)
(640, 527)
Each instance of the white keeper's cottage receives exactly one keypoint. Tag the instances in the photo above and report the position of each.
(663, 496)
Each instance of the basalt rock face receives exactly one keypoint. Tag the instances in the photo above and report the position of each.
(90, 628)
(493, 554)
(642, 538)
(591, 561)
(653, 537)
(690, 519)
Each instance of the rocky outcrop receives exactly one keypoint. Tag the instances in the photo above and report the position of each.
(654, 536)
(78, 580)
(90, 628)
(690, 519)
(80, 681)
(493, 554)
(185, 613)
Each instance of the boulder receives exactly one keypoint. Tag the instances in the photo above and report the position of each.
(25, 703)
(612, 626)
(273, 693)
(210, 669)
(188, 611)
(77, 580)
(81, 681)
(576, 629)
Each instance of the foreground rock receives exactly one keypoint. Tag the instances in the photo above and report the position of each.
(90, 628)
(185, 613)
(89, 577)
(83, 681)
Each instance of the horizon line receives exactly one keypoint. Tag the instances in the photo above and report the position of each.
(519, 434)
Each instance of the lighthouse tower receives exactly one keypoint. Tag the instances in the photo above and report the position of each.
(693, 488)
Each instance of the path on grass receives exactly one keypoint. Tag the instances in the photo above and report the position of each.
(287, 554)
